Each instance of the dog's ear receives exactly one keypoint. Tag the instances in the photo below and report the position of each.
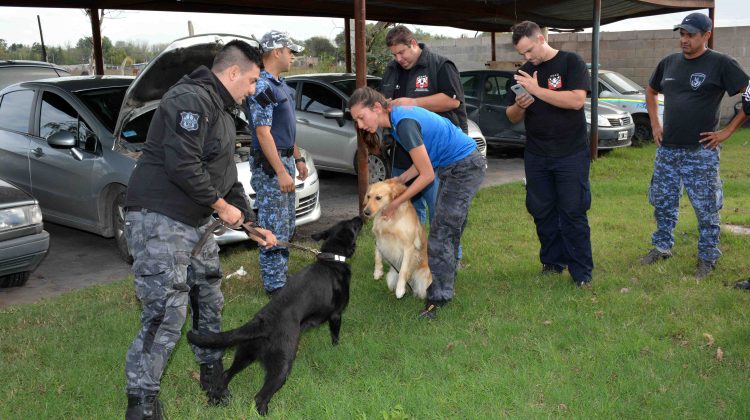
(321, 236)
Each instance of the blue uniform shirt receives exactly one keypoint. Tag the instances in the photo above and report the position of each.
(445, 143)
(273, 105)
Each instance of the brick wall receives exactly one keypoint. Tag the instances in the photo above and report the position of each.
(632, 53)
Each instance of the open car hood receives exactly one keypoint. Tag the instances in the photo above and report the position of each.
(180, 58)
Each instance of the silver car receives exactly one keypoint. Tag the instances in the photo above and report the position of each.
(67, 142)
(325, 127)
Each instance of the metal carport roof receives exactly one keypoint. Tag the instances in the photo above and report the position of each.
(482, 15)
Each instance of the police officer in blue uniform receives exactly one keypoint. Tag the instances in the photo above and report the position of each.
(185, 173)
(693, 83)
(275, 155)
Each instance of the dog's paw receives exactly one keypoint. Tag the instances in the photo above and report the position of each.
(400, 291)
(377, 274)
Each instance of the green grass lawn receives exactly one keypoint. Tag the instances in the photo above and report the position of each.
(641, 342)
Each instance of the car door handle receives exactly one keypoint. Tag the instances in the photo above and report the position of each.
(303, 121)
(38, 152)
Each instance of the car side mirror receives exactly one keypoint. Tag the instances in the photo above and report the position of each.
(605, 94)
(335, 114)
(62, 139)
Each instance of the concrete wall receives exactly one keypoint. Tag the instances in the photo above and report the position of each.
(633, 53)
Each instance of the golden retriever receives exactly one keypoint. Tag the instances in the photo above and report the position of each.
(401, 240)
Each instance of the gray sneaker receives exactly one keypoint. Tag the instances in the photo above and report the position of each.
(704, 269)
(655, 255)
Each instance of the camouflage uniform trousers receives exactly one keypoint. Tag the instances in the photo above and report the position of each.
(276, 212)
(698, 170)
(459, 183)
(167, 279)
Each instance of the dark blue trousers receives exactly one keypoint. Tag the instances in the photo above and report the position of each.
(558, 195)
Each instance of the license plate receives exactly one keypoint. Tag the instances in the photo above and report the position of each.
(622, 135)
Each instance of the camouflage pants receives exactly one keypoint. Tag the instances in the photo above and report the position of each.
(275, 212)
(459, 183)
(167, 280)
(698, 171)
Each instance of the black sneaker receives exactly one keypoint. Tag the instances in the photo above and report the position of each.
(552, 269)
(742, 284)
(582, 283)
(655, 255)
(704, 269)
(430, 309)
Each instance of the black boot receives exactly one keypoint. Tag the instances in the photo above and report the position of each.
(212, 381)
(144, 408)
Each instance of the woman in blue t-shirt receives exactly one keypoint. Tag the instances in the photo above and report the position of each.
(435, 146)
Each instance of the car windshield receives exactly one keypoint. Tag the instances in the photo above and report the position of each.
(348, 86)
(622, 84)
(104, 103)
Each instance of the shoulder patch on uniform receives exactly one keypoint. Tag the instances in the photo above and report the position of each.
(266, 97)
(189, 120)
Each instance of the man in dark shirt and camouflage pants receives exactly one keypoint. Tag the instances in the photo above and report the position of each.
(186, 172)
(693, 83)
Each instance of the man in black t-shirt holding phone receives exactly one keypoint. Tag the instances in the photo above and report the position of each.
(556, 159)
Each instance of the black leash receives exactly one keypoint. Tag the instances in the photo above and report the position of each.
(218, 227)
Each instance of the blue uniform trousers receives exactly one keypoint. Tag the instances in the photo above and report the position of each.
(698, 171)
(459, 183)
(167, 280)
(276, 212)
(558, 195)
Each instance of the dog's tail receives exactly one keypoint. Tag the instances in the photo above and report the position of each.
(230, 338)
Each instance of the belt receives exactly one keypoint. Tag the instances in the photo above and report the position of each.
(282, 152)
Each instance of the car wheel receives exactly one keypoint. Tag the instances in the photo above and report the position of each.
(14, 280)
(642, 135)
(377, 168)
(118, 226)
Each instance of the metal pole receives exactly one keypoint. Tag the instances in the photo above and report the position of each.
(595, 80)
(494, 58)
(96, 37)
(348, 44)
(712, 15)
(360, 32)
(41, 36)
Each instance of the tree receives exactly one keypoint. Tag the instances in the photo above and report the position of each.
(319, 46)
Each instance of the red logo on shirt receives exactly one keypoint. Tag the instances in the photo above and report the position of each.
(554, 82)
(422, 82)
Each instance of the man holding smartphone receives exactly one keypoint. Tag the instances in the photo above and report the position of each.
(556, 159)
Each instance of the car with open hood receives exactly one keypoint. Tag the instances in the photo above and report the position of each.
(72, 142)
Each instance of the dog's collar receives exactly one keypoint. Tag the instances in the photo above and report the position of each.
(329, 256)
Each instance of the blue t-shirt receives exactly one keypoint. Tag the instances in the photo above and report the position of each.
(273, 104)
(445, 143)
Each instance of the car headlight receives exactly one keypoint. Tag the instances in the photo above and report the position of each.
(19, 217)
(601, 121)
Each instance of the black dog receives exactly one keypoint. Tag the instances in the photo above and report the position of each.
(318, 293)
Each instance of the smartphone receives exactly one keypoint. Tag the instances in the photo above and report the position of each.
(518, 89)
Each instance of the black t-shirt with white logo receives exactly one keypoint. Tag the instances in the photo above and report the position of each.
(553, 131)
(693, 90)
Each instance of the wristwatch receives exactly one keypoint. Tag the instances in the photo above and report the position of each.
(299, 159)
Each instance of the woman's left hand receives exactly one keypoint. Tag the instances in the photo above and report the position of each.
(388, 211)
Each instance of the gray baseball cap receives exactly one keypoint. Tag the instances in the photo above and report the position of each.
(277, 39)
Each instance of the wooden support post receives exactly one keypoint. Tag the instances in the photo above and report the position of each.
(360, 32)
(96, 37)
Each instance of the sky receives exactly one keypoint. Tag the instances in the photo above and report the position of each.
(65, 26)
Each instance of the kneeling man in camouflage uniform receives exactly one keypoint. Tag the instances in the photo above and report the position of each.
(186, 172)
